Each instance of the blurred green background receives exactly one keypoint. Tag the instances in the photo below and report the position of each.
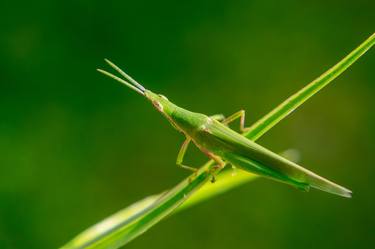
(76, 146)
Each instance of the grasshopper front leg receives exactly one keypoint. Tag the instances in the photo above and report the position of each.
(181, 155)
(240, 114)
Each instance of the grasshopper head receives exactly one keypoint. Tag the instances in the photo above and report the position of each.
(181, 119)
(160, 102)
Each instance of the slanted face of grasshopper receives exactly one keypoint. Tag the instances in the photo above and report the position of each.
(224, 145)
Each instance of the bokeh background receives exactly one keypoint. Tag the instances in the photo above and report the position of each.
(76, 146)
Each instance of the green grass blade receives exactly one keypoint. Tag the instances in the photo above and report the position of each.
(297, 99)
(124, 226)
(225, 181)
(131, 222)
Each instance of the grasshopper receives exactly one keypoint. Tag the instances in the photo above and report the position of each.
(213, 136)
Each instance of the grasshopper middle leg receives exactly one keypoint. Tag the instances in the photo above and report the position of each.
(219, 164)
(241, 115)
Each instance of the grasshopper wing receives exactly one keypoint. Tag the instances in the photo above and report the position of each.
(250, 156)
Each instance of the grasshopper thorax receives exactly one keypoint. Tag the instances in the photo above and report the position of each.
(183, 120)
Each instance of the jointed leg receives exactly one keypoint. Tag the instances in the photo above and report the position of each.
(217, 159)
(220, 164)
(181, 154)
(233, 117)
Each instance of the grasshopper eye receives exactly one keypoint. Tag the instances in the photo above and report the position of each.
(163, 97)
(158, 106)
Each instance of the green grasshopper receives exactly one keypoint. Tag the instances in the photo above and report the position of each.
(219, 142)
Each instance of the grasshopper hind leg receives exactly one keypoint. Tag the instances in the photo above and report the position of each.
(241, 115)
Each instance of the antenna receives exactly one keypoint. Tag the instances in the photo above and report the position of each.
(121, 81)
(126, 76)
(133, 84)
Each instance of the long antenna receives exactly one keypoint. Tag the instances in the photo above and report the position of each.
(126, 76)
(140, 91)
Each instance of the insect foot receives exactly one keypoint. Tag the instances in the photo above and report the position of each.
(213, 178)
(192, 177)
(213, 172)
